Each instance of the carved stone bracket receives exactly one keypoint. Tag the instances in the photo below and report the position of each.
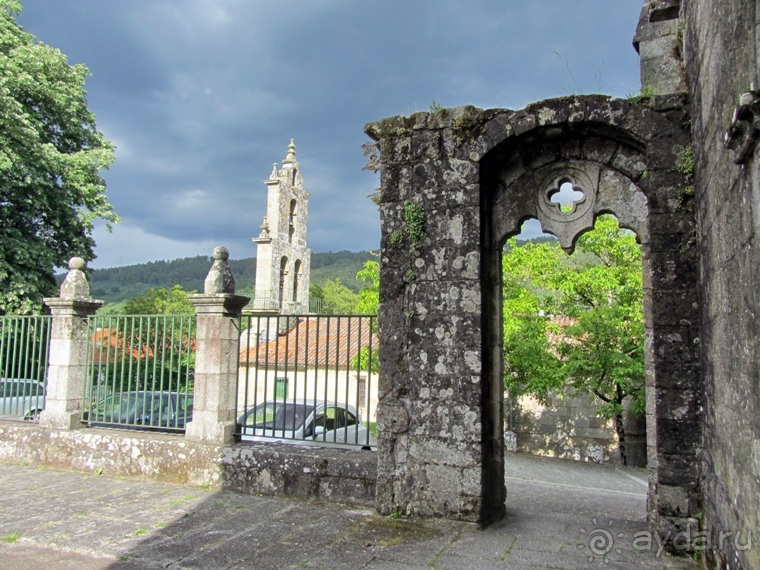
(742, 134)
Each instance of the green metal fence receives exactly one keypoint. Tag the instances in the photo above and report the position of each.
(140, 371)
(308, 379)
(24, 353)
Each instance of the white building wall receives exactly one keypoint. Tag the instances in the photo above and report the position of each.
(336, 385)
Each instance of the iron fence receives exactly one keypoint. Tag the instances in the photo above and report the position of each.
(140, 371)
(24, 355)
(308, 379)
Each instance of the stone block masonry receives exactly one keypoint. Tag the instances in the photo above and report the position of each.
(335, 475)
(722, 43)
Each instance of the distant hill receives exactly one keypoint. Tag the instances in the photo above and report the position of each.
(117, 284)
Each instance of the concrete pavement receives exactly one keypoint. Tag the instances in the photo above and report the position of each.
(560, 514)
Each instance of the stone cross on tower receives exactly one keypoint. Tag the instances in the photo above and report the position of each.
(283, 261)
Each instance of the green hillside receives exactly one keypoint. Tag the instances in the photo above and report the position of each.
(116, 284)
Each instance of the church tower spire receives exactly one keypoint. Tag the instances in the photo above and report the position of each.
(283, 260)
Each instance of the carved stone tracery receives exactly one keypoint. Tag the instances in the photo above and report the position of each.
(567, 225)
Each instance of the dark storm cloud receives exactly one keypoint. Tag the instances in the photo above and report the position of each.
(202, 96)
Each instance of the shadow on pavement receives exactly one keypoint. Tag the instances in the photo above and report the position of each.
(559, 514)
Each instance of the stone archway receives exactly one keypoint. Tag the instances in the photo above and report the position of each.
(455, 184)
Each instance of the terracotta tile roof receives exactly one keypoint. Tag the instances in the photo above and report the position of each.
(315, 342)
(109, 344)
(557, 335)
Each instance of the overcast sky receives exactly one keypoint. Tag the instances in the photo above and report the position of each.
(202, 96)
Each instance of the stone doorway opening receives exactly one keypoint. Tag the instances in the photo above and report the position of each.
(573, 339)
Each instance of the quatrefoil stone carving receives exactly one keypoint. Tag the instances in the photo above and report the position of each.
(565, 199)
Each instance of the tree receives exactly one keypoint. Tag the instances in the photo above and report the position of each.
(337, 298)
(151, 341)
(369, 300)
(577, 322)
(51, 156)
(160, 301)
(369, 296)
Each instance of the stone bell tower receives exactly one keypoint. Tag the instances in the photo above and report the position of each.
(283, 261)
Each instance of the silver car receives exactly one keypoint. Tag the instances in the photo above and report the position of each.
(21, 398)
(305, 422)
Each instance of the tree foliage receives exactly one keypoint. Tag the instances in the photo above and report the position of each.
(337, 299)
(160, 301)
(156, 332)
(51, 156)
(369, 295)
(369, 300)
(577, 322)
(531, 364)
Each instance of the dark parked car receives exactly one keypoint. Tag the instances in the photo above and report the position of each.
(138, 410)
(305, 422)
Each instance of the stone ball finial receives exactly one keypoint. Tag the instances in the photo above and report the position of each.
(75, 285)
(220, 279)
(77, 263)
(222, 253)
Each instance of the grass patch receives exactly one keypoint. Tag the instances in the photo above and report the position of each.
(388, 531)
(181, 500)
(11, 538)
(140, 532)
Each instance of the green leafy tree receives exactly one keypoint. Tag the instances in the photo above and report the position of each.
(161, 301)
(531, 364)
(369, 299)
(337, 298)
(369, 296)
(577, 322)
(51, 156)
(155, 333)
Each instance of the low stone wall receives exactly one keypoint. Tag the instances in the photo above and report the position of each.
(336, 475)
(569, 428)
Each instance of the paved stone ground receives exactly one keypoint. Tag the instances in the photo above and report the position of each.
(560, 514)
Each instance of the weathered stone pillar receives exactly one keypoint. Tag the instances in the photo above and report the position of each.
(658, 41)
(68, 350)
(216, 357)
(439, 414)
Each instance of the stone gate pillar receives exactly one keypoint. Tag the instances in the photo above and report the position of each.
(439, 437)
(68, 350)
(216, 357)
